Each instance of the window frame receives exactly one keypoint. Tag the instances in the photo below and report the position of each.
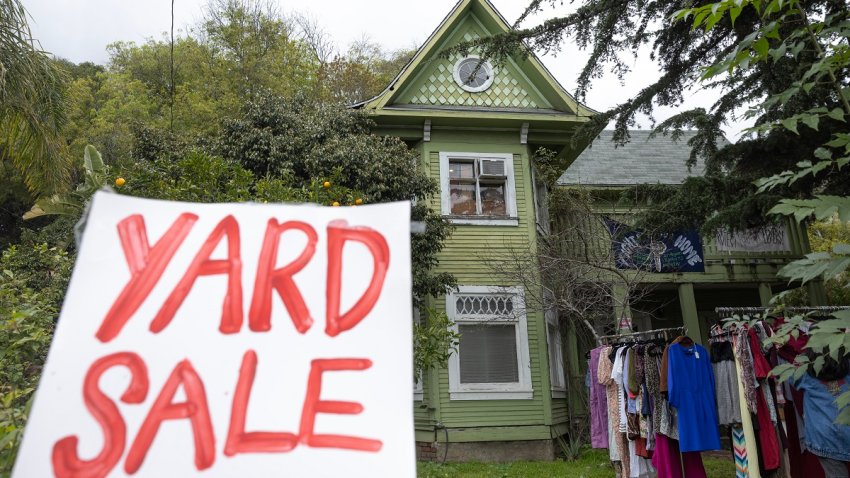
(556, 345)
(485, 65)
(521, 390)
(510, 219)
(418, 388)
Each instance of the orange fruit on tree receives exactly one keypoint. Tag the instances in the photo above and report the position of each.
(326, 184)
(358, 201)
(335, 204)
(119, 182)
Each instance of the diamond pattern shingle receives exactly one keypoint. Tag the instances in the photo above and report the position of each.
(441, 88)
(659, 160)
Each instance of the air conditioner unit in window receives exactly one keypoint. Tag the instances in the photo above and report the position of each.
(493, 168)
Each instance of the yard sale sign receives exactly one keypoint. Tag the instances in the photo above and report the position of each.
(230, 340)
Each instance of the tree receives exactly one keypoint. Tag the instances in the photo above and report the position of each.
(260, 43)
(363, 72)
(32, 105)
(795, 27)
(299, 141)
(614, 30)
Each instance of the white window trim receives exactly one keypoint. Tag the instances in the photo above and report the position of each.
(551, 316)
(521, 390)
(462, 83)
(418, 391)
(510, 191)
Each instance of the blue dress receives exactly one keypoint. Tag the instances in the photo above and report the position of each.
(690, 384)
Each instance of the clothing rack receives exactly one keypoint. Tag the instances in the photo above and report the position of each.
(761, 310)
(604, 338)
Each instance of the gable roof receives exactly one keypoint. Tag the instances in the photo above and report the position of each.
(644, 160)
(411, 89)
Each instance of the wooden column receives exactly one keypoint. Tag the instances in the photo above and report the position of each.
(817, 292)
(622, 310)
(690, 318)
(765, 294)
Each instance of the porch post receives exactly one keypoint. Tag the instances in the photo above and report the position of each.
(765, 294)
(817, 292)
(622, 310)
(688, 303)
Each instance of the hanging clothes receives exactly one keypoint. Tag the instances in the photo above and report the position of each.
(598, 403)
(823, 436)
(690, 382)
(746, 372)
(726, 383)
(604, 370)
(666, 459)
(622, 440)
(746, 455)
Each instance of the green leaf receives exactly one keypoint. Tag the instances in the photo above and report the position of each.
(836, 114)
(734, 12)
(92, 160)
(778, 52)
(820, 166)
(842, 314)
(823, 153)
(790, 124)
(761, 47)
(811, 121)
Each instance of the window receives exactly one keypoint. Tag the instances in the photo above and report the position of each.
(473, 74)
(418, 391)
(557, 379)
(478, 188)
(492, 360)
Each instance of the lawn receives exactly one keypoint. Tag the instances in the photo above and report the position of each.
(591, 464)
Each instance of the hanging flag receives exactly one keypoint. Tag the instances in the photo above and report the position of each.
(666, 252)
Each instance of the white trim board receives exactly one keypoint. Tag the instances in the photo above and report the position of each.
(521, 390)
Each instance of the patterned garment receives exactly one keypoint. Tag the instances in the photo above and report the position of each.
(604, 377)
(748, 374)
(768, 397)
(739, 450)
(651, 369)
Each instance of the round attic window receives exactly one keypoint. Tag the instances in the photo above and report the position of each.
(473, 74)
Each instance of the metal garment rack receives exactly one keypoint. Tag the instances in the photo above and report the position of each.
(605, 338)
(729, 311)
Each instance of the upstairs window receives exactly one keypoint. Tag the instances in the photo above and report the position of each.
(478, 188)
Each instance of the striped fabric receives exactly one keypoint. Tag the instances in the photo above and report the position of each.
(739, 449)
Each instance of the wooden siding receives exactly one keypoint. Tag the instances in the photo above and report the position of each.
(463, 256)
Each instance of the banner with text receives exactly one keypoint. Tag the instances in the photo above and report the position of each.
(230, 340)
(667, 252)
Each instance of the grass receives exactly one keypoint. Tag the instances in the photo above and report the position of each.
(591, 464)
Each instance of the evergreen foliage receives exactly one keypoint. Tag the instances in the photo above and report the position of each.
(748, 53)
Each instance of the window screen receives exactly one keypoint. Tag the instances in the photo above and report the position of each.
(488, 353)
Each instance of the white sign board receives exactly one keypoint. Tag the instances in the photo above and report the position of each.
(770, 238)
(230, 340)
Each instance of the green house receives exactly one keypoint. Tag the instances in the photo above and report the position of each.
(476, 126)
(735, 268)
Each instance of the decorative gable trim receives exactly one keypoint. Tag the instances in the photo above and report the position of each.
(566, 103)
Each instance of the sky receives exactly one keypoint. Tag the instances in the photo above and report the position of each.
(79, 30)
